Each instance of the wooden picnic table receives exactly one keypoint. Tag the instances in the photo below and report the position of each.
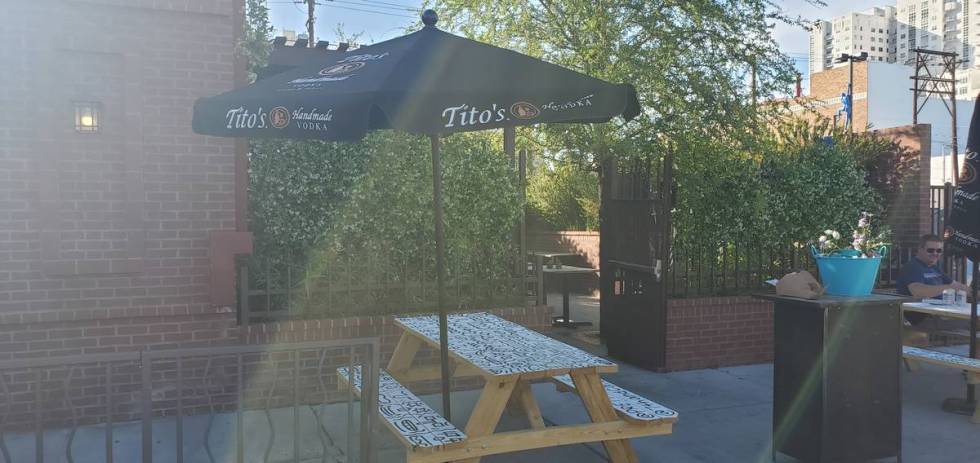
(970, 365)
(508, 357)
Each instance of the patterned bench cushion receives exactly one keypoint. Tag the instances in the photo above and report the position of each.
(407, 415)
(628, 404)
(931, 356)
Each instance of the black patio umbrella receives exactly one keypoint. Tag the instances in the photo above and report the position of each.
(963, 229)
(428, 82)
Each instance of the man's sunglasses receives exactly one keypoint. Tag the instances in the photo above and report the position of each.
(934, 250)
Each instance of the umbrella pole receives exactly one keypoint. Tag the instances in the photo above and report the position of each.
(971, 389)
(440, 271)
(956, 404)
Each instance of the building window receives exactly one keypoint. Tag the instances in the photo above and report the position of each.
(87, 116)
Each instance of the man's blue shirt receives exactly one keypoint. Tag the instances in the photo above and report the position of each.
(916, 271)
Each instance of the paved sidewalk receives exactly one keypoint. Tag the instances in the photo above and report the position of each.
(725, 417)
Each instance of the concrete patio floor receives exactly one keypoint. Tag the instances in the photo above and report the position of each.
(725, 416)
(726, 413)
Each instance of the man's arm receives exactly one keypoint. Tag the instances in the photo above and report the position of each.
(925, 291)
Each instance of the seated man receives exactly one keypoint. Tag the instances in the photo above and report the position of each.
(921, 276)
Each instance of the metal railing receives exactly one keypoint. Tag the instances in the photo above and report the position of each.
(939, 197)
(733, 269)
(130, 399)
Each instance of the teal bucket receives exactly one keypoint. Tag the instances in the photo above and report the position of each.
(843, 275)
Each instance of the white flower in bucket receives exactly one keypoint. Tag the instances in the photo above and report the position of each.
(862, 253)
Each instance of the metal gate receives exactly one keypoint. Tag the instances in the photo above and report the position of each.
(634, 240)
(268, 403)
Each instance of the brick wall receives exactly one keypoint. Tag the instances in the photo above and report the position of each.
(825, 91)
(116, 223)
(207, 385)
(910, 215)
(715, 332)
(583, 243)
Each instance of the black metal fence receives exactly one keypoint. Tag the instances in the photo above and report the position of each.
(732, 268)
(939, 197)
(215, 404)
(375, 285)
(736, 268)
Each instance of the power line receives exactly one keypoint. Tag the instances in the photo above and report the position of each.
(349, 8)
(331, 4)
(377, 5)
(379, 2)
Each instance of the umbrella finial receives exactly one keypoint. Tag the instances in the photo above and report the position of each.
(430, 18)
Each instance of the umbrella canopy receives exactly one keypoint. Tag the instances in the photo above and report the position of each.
(964, 218)
(428, 82)
(963, 227)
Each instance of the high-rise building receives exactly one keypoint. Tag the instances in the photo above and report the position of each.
(871, 31)
(933, 25)
(892, 33)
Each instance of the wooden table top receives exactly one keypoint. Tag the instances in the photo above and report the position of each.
(549, 254)
(961, 312)
(503, 348)
(569, 269)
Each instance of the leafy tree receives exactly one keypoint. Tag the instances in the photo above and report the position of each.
(255, 45)
(296, 191)
(316, 206)
(566, 196)
(385, 227)
(689, 61)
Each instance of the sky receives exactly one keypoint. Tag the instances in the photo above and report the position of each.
(377, 20)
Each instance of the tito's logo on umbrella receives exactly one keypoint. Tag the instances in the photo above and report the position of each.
(279, 117)
(340, 69)
(524, 110)
(969, 173)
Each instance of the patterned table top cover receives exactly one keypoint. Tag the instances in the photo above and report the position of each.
(501, 347)
(944, 357)
(631, 404)
(414, 419)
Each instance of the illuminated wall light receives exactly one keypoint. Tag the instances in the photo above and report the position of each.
(87, 117)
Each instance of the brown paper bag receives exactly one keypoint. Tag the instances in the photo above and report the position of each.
(799, 284)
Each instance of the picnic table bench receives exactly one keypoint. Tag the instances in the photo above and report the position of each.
(913, 355)
(508, 357)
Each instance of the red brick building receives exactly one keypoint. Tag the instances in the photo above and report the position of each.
(118, 225)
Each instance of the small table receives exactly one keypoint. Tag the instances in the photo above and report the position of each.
(508, 356)
(539, 265)
(822, 410)
(958, 312)
(564, 271)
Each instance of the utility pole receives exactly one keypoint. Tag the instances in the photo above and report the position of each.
(927, 84)
(942, 84)
(850, 84)
(310, 21)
